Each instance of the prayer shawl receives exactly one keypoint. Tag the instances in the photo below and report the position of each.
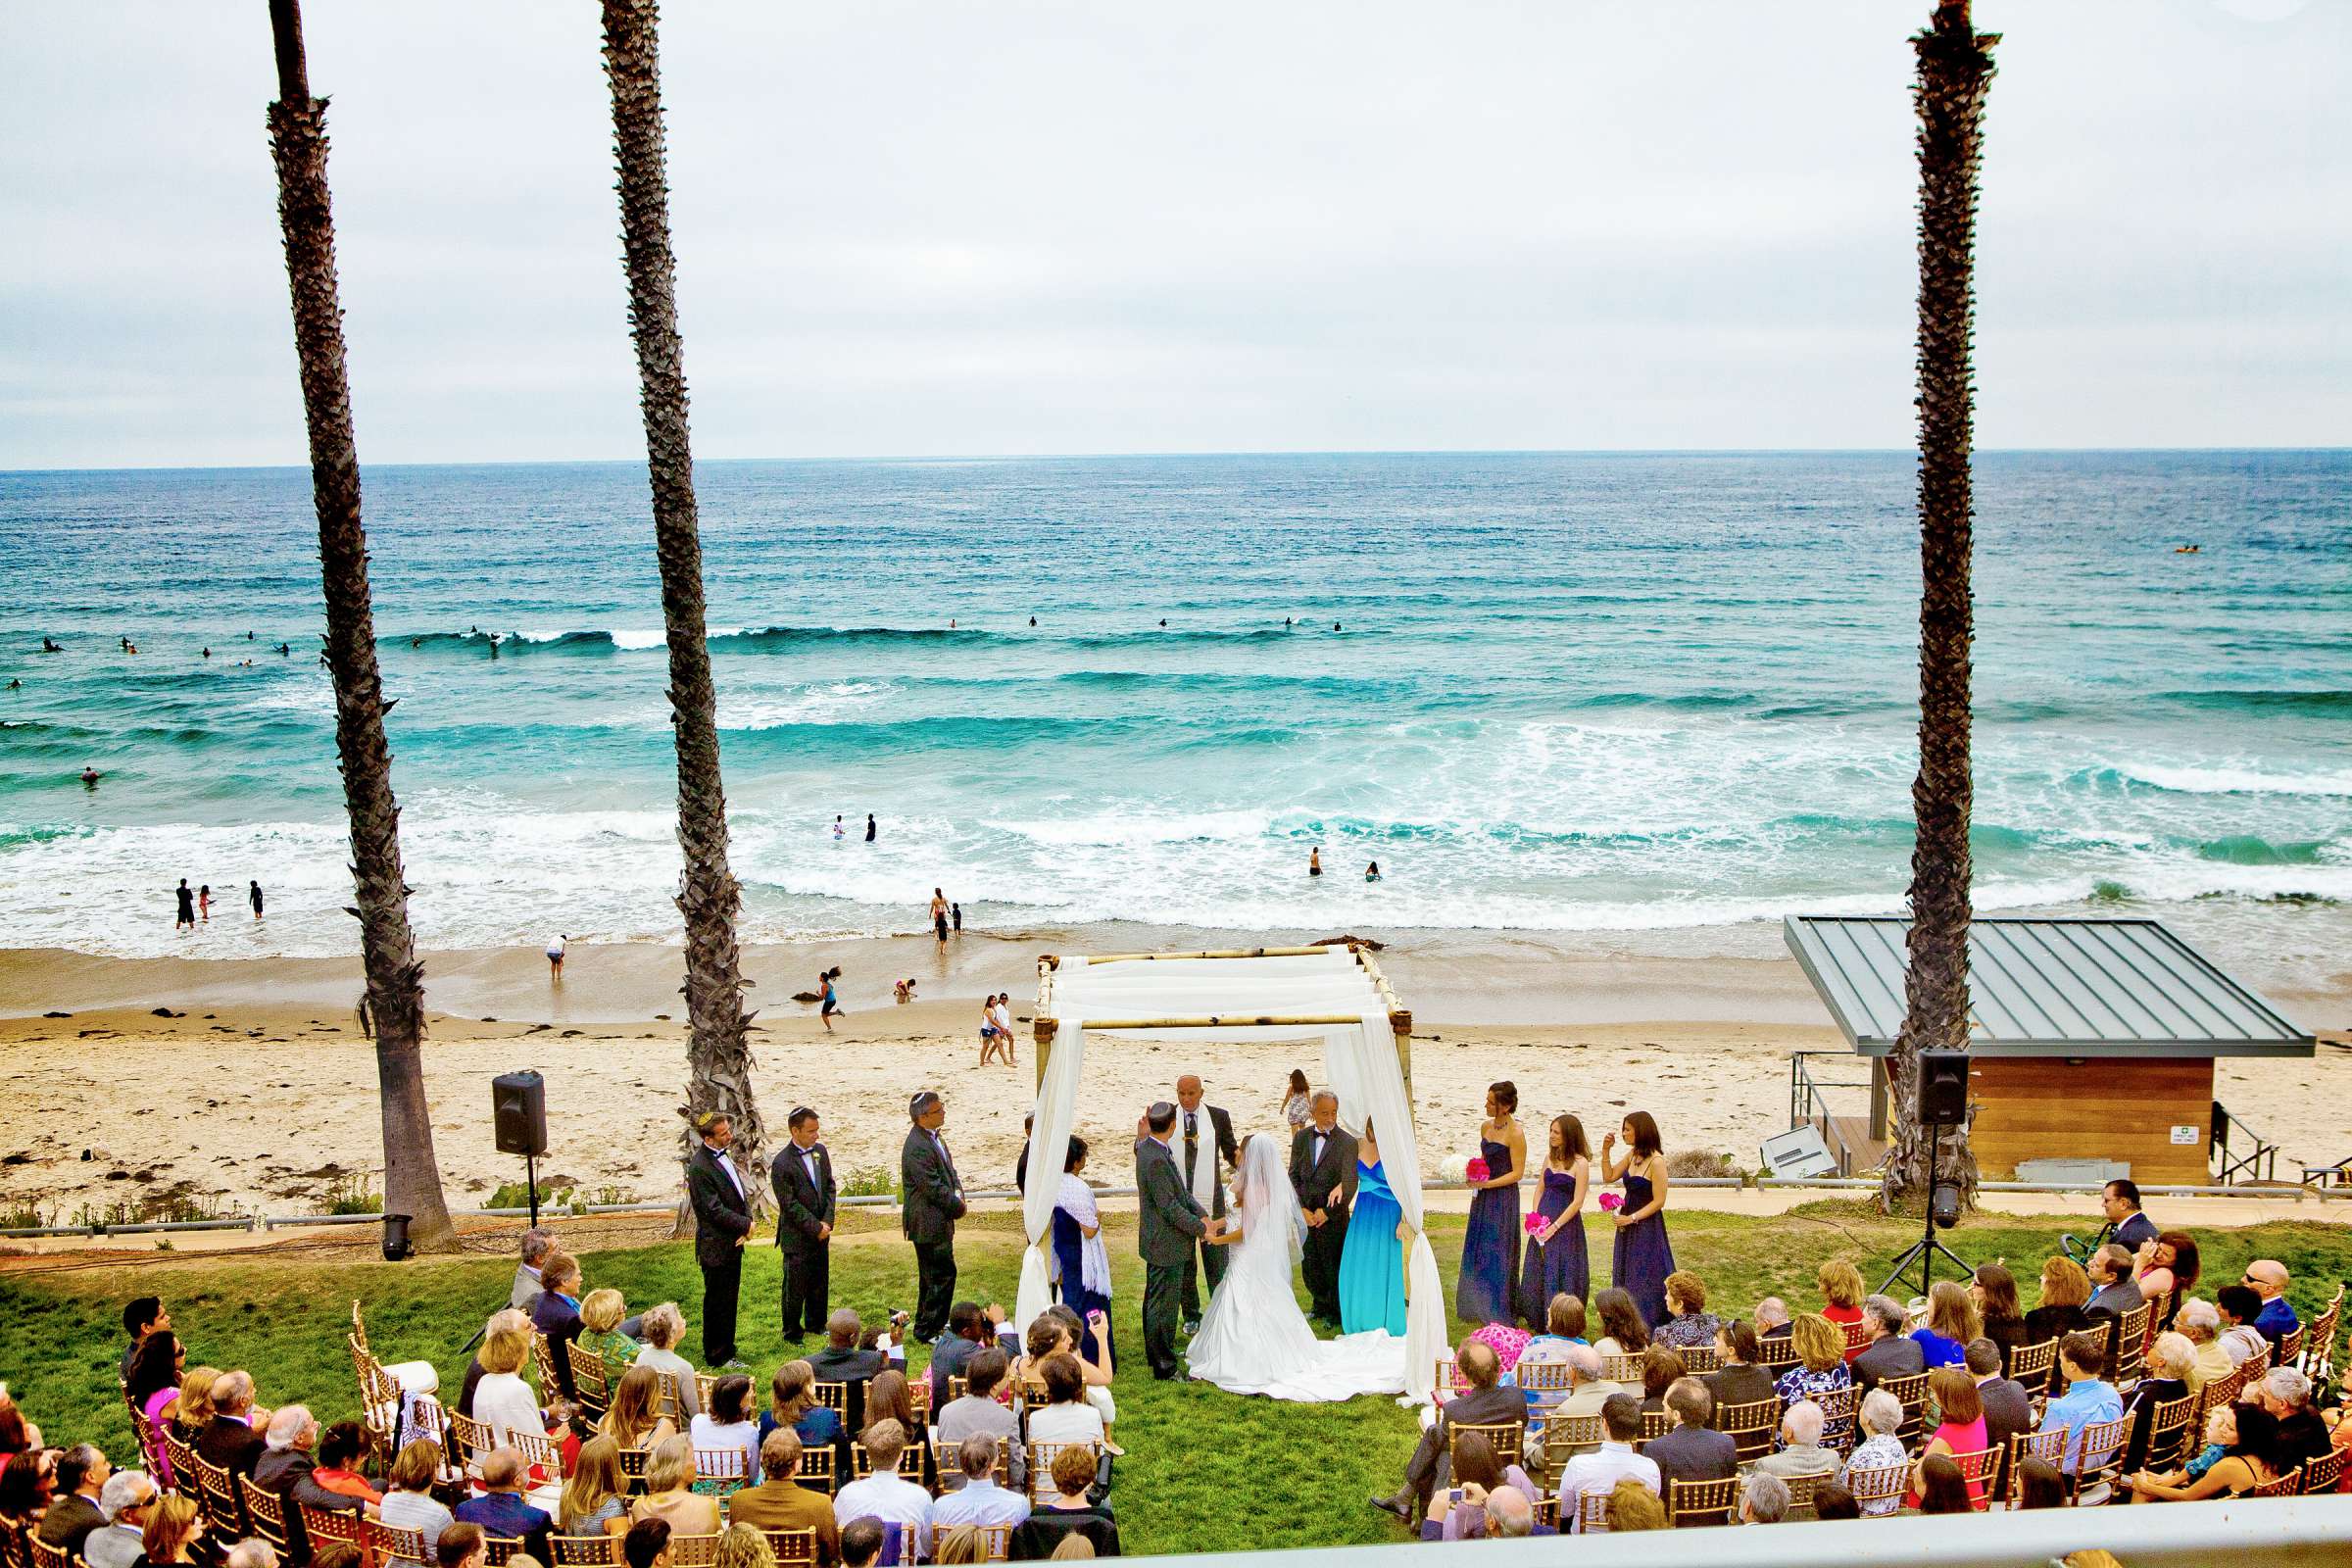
(1204, 1156)
(1077, 1200)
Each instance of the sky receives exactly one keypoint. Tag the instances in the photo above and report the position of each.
(1042, 227)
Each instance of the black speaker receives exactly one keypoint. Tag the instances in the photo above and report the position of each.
(1942, 1088)
(518, 1110)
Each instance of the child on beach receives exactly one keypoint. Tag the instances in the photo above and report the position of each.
(903, 990)
(828, 1004)
(992, 1040)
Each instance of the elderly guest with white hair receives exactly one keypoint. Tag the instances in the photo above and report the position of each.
(1764, 1501)
(2302, 1434)
(2171, 1359)
(231, 1440)
(128, 1499)
(285, 1471)
(1772, 1318)
(1800, 1453)
(1882, 1417)
(2199, 1322)
(1587, 1389)
(251, 1552)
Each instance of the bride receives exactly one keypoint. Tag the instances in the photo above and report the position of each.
(1253, 1339)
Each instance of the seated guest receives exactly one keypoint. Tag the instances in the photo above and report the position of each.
(728, 1424)
(1483, 1403)
(1688, 1320)
(1587, 1389)
(783, 1502)
(524, 1293)
(1764, 1501)
(341, 1448)
(73, 1512)
(142, 1315)
(793, 1405)
(2266, 1278)
(891, 1498)
(601, 1312)
(174, 1527)
(2040, 1485)
(1841, 1294)
(1615, 1461)
(409, 1502)
(2089, 1397)
(20, 1436)
(594, 1499)
(1889, 1354)
(2170, 1361)
(1820, 1368)
(977, 1415)
(633, 1418)
(2167, 1265)
(1622, 1330)
(1065, 1417)
(192, 1411)
(1563, 1326)
(889, 1397)
(2245, 1433)
(959, 1543)
(231, 1442)
(971, 1328)
(1477, 1473)
(979, 1501)
(2200, 1323)
(2115, 1292)
(1512, 1516)
(2065, 1288)
(2008, 1407)
(499, 1507)
(1800, 1453)
(1961, 1430)
(129, 1500)
(1691, 1451)
(1739, 1380)
(1880, 1415)
(2285, 1393)
(1059, 1331)
(1994, 1289)
(647, 1545)
(501, 1400)
(1952, 1322)
(669, 1493)
(1660, 1366)
(1772, 1321)
(288, 1471)
(1831, 1500)
(1070, 1514)
(1634, 1506)
(153, 1389)
(1941, 1489)
(2238, 1307)
(558, 1314)
(507, 1320)
(860, 1543)
(462, 1546)
(842, 1361)
(664, 1326)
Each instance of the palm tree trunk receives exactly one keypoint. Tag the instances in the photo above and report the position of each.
(395, 1004)
(717, 1051)
(1955, 69)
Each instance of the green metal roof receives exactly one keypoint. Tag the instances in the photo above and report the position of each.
(2047, 988)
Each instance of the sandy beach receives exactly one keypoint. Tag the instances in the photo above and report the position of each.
(257, 1091)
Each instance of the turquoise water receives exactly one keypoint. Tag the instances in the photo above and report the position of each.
(1659, 695)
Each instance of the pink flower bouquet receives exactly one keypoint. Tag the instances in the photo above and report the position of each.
(1477, 1171)
(1536, 1223)
(1611, 1203)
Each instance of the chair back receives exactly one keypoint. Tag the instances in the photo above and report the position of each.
(2030, 1365)
(382, 1543)
(1546, 1511)
(703, 1384)
(2168, 1432)
(217, 1491)
(591, 1381)
(2130, 1348)
(1752, 1426)
(1542, 1377)
(1699, 1358)
(816, 1467)
(1858, 1335)
(1507, 1438)
(997, 1541)
(1800, 1493)
(2321, 1476)
(1838, 1407)
(358, 1325)
(1655, 1423)
(1977, 1470)
(948, 1459)
(2289, 1485)
(1592, 1512)
(694, 1551)
(2291, 1347)
(2048, 1446)
(585, 1551)
(674, 1405)
(1702, 1503)
(470, 1441)
(720, 1472)
(1566, 1436)
(861, 1463)
(267, 1511)
(1780, 1355)
(1880, 1484)
(634, 1460)
(834, 1397)
(2102, 1458)
(958, 1385)
(1912, 1389)
(183, 1460)
(1624, 1369)
(1040, 1466)
(321, 1526)
(498, 1549)
(541, 1453)
(45, 1555)
(543, 1352)
(794, 1549)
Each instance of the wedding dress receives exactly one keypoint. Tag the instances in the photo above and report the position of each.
(1253, 1339)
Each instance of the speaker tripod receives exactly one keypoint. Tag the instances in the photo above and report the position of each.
(1923, 1252)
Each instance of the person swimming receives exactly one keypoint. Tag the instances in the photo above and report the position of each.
(1372, 873)
(90, 777)
(49, 646)
(1314, 860)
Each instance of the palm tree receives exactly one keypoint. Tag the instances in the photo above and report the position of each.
(717, 1052)
(394, 1009)
(1955, 69)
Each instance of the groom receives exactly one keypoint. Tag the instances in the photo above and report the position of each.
(1170, 1220)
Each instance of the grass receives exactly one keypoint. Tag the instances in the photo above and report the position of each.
(1191, 1449)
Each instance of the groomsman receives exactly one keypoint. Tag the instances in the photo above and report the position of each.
(1323, 1174)
(803, 1176)
(722, 1218)
(1205, 1134)
(932, 1204)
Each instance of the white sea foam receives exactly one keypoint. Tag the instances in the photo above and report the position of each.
(2225, 780)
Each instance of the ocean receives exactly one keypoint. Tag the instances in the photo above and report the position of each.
(1638, 702)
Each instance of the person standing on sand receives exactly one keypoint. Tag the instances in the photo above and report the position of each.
(869, 827)
(204, 903)
(988, 1028)
(187, 907)
(1003, 1016)
(253, 895)
(555, 959)
(939, 917)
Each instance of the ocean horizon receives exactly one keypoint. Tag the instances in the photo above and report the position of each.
(1637, 700)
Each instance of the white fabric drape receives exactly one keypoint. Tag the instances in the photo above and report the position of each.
(1048, 1149)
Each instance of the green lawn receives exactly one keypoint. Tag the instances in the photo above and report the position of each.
(1205, 1471)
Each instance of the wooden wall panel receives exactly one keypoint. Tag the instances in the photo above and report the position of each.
(2046, 1107)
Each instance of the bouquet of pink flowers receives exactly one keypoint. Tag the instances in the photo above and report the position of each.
(1477, 1171)
(1611, 1203)
(1536, 1223)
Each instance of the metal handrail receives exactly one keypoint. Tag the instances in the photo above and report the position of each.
(1808, 1105)
(2261, 1166)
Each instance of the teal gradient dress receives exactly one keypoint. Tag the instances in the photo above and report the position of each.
(1372, 1258)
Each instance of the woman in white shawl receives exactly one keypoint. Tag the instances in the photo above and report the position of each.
(1081, 1267)
(1254, 1338)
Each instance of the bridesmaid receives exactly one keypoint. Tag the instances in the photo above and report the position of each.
(1644, 1256)
(1555, 1254)
(1491, 1245)
(1372, 1258)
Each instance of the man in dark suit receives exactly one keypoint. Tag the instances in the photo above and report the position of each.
(803, 1176)
(722, 1218)
(1691, 1451)
(81, 1473)
(841, 1361)
(1203, 1135)
(500, 1509)
(1483, 1403)
(1167, 1221)
(1323, 1174)
(230, 1441)
(2008, 1408)
(556, 1313)
(932, 1204)
(1889, 1354)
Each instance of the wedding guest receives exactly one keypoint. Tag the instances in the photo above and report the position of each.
(173, 1528)
(1889, 1354)
(499, 1509)
(1880, 1415)
(1070, 1514)
(1994, 1289)
(1821, 1367)
(601, 1312)
(595, 1498)
(647, 1545)
(558, 1314)
(142, 1315)
(977, 1415)
(1764, 1499)
(519, 1322)
(501, 1400)
(1941, 1488)
(129, 1501)
(2169, 1265)
(1478, 1473)
(886, 1496)
(1691, 1452)
(728, 1423)
(153, 1389)
(633, 1417)
(664, 1326)
(860, 1543)
(1800, 1453)
(2169, 1362)
(1491, 1240)
(1563, 1327)
(1556, 1259)
(2008, 1407)
(969, 1330)
(780, 1502)
(2064, 1290)
(1772, 1318)
(1066, 1416)
(2040, 1486)
(1622, 1329)
(1688, 1322)
(462, 1546)
(1634, 1506)
(669, 1493)
(1841, 1286)
(794, 1406)
(409, 1500)
(2245, 1435)
(1952, 1322)
(1081, 1264)
(1739, 1380)
(1961, 1430)
(2302, 1436)
(2266, 1278)
(230, 1441)
(2200, 1323)
(2117, 1293)
(1660, 1367)
(2089, 1396)
(1587, 1388)
(1615, 1461)
(289, 1471)
(980, 1500)
(2238, 1307)
(80, 1476)
(1644, 1255)
(1483, 1403)
(524, 1293)
(1831, 1500)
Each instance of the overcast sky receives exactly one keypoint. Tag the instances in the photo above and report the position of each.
(1034, 228)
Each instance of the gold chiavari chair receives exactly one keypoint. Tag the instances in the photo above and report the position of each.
(1752, 1426)
(1705, 1503)
(794, 1549)
(586, 1551)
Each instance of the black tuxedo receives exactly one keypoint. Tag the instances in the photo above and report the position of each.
(933, 1202)
(722, 1218)
(1312, 1179)
(802, 1207)
(1204, 1134)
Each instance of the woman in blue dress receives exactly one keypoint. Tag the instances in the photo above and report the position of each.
(1556, 1263)
(1490, 1277)
(1372, 1258)
(1644, 1256)
(1081, 1267)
